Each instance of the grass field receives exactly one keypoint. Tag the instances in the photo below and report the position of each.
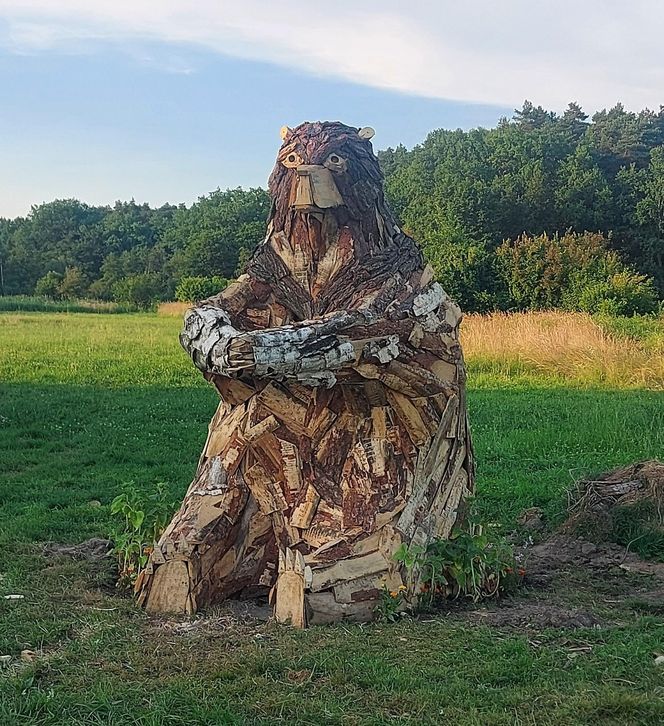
(90, 401)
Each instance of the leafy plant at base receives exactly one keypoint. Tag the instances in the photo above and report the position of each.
(472, 563)
(391, 604)
(141, 521)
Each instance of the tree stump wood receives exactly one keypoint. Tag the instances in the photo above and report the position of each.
(341, 432)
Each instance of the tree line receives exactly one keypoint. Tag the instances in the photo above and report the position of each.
(545, 210)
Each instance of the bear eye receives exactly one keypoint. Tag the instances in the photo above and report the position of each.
(335, 162)
(292, 160)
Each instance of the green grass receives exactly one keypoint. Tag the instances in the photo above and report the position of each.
(90, 401)
(648, 330)
(35, 303)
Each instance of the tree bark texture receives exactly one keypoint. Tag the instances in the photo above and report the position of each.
(341, 431)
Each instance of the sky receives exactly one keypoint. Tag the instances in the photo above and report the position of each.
(166, 100)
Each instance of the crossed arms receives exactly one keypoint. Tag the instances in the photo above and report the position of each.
(310, 352)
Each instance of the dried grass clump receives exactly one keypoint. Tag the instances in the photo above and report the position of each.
(173, 309)
(572, 345)
(625, 506)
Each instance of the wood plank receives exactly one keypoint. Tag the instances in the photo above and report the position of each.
(325, 609)
(348, 569)
(291, 465)
(265, 491)
(220, 436)
(284, 407)
(410, 418)
(366, 588)
(304, 512)
(263, 427)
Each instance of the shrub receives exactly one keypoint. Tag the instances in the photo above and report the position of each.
(49, 285)
(624, 293)
(101, 289)
(473, 563)
(142, 290)
(466, 272)
(193, 289)
(141, 519)
(74, 284)
(572, 271)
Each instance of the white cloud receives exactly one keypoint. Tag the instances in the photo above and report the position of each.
(550, 51)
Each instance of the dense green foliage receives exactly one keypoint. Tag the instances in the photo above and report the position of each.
(129, 252)
(192, 289)
(573, 272)
(462, 194)
(480, 202)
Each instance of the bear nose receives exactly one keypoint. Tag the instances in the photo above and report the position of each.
(315, 188)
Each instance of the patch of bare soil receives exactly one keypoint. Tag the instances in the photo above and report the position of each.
(562, 552)
(567, 580)
(533, 614)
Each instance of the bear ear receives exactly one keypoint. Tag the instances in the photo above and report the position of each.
(366, 133)
(284, 131)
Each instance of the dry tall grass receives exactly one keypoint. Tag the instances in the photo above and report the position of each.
(571, 345)
(173, 309)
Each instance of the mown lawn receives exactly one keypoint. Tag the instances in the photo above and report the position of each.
(90, 401)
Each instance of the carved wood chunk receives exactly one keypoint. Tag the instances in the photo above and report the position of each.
(304, 512)
(169, 591)
(348, 569)
(410, 417)
(289, 607)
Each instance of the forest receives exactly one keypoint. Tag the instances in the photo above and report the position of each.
(544, 211)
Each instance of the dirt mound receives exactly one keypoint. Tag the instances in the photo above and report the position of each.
(91, 549)
(624, 506)
(620, 487)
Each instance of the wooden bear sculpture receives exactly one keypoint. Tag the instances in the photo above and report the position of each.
(341, 431)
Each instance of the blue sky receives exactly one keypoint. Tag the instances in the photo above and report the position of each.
(165, 101)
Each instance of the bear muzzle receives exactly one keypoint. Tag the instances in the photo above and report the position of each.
(314, 189)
